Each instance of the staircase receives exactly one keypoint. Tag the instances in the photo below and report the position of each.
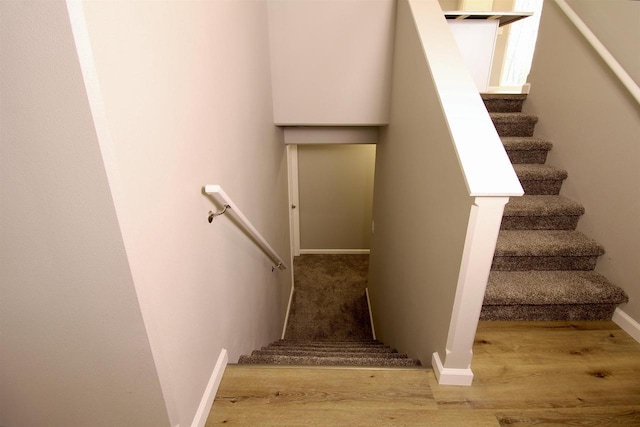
(329, 353)
(543, 267)
(329, 323)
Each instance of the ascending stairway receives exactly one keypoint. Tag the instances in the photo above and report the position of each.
(543, 267)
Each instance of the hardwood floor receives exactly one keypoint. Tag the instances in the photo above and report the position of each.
(526, 373)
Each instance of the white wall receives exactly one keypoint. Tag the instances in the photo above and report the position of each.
(331, 61)
(336, 192)
(73, 349)
(594, 124)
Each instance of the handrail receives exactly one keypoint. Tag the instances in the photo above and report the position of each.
(229, 207)
(604, 53)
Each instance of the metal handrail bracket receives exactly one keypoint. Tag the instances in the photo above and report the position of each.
(230, 208)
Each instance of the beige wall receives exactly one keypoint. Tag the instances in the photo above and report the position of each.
(594, 124)
(119, 293)
(336, 191)
(331, 61)
(421, 209)
(616, 23)
(187, 93)
(73, 349)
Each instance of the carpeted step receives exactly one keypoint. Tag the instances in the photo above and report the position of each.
(545, 250)
(327, 361)
(541, 213)
(385, 349)
(526, 149)
(550, 295)
(503, 103)
(540, 179)
(276, 352)
(514, 124)
(329, 344)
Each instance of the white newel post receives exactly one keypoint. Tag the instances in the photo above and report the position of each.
(482, 233)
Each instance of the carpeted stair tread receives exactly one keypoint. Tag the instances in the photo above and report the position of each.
(535, 172)
(514, 124)
(541, 212)
(540, 179)
(327, 361)
(526, 149)
(551, 287)
(542, 205)
(546, 243)
(504, 103)
(275, 352)
(323, 343)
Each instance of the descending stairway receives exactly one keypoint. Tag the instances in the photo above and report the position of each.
(329, 322)
(333, 353)
(543, 267)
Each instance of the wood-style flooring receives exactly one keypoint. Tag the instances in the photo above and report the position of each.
(526, 373)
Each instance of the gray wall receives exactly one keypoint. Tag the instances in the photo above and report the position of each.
(421, 209)
(616, 23)
(336, 192)
(594, 124)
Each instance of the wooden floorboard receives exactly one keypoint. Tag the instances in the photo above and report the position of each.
(526, 373)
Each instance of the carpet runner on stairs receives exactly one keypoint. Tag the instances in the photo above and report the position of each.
(329, 321)
(543, 267)
(333, 353)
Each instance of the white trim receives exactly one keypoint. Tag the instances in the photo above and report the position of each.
(286, 318)
(606, 56)
(210, 391)
(524, 89)
(448, 376)
(627, 323)
(334, 251)
(373, 329)
(294, 199)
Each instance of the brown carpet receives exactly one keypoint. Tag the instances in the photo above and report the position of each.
(329, 300)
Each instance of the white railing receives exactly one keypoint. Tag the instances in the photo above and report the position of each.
(230, 208)
(615, 66)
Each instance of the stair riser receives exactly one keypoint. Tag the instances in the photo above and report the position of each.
(329, 349)
(514, 128)
(548, 312)
(539, 222)
(329, 354)
(541, 188)
(542, 263)
(326, 361)
(504, 105)
(527, 156)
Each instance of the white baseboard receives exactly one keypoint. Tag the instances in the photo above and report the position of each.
(333, 251)
(286, 318)
(210, 391)
(449, 376)
(627, 323)
(373, 329)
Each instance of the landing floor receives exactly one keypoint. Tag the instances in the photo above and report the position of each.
(526, 373)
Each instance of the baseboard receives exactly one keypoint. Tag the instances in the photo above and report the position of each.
(210, 391)
(627, 323)
(286, 317)
(448, 376)
(373, 329)
(333, 251)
